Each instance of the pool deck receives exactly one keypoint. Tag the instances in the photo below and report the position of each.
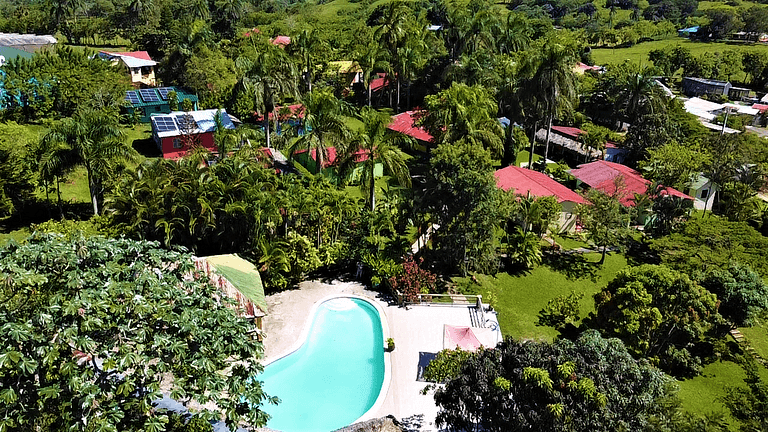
(417, 330)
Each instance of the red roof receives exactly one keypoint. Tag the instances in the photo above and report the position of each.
(135, 54)
(760, 107)
(360, 156)
(570, 132)
(601, 175)
(405, 123)
(380, 82)
(281, 40)
(297, 111)
(525, 181)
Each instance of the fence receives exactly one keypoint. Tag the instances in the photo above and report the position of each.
(441, 299)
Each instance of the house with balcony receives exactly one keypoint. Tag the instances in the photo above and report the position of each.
(138, 64)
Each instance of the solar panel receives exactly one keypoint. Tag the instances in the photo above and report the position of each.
(164, 92)
(149, 95)
(164, 123)
(187, 123)
(132, 97)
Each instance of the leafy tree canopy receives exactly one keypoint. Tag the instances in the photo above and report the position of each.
(95, 330)
(658, 313)
(743, 294)
(591, 384)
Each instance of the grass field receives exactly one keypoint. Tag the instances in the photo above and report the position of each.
(638, 54)
(519, 298)
(703, 393)
(757, 336)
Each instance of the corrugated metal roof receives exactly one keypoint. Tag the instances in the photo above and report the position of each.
(405, 123)
(525, 181)
(16, 39)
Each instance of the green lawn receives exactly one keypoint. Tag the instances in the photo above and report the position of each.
(757, 336)
(18, 235)
(638, 54)
(519, 298)
(702, 394)
(568, 243)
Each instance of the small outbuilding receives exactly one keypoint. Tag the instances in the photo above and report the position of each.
(239, 280)
(179, 132)
(699, 86)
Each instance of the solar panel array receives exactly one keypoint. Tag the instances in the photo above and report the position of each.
(164, 123)
(149, 95)
(164, 92)
(132, 97)
(186, 121)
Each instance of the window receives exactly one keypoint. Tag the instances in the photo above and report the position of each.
(704, 194)
(176, 143)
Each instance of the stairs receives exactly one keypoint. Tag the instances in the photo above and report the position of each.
(742, 341)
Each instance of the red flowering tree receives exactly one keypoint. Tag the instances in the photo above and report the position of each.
(413, 280)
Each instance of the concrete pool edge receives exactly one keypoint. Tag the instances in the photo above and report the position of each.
(307, 327)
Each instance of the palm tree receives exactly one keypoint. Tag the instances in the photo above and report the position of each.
(307, 45)
(92, 139)
(517, 33)
(393, 32)
(370, 57)
(268, 78)
(554, 82)
(324, 126)
(379, 144)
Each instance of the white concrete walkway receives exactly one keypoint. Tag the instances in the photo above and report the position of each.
(417, 331)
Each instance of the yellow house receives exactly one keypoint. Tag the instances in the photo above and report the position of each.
(141, 67)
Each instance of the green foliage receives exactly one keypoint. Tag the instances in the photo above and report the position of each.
(750, 405)
(675, 165)
(561, 310)
(742, 293)
(58, 82)
(591, 384)
(447, 365)
(706, 243)
(390, 344)
(17, 180)
(93, 327)
(605, 220)
(658, 313)
(462, 197)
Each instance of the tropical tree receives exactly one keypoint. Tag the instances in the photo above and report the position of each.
(604, 219)
(463, 112)
(517, 33)
(308, 46)
(554, 80)
(325, 125)
(17, 180)
(375, 144)
(370, 57)
(590, 384)
(268, 77)
(94, 347)
(92, 139)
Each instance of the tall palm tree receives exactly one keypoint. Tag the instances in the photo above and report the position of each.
(393, 32)
(307, 46)
(370, 58)
(554, 81)
(378, 144)
(268, 78)
(92, 139)
(324, 126)
(517, 33)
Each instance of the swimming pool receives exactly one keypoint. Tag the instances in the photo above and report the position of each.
(336, 375)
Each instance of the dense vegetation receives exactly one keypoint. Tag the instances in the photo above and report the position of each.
(689, 278)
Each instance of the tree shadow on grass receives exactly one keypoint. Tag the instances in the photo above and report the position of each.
(573, 265)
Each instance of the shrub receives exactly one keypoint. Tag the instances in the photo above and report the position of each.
(561, 310)
(414, 280)
(447, 365)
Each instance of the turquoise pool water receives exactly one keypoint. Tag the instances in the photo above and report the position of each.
(336, 375)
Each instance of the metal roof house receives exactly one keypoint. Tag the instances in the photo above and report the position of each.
(26, 42)
(700, 86)
(139, 65)
(147, 102)
(179, 132)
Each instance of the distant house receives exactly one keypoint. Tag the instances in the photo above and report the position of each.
(700, 86)
(703, 191)
(566, 139)
(330, 163)
(582, 68)
(618, 180)
(281, 41)
(147, 102)
(139, 65)
(738, 93)
(291, 114)
(240, 281)
(7, 54)
(703, 109)
(179, 132)
(347, 71)
(405, 123)
(528, 182)
(26, 42)
(687, 32)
